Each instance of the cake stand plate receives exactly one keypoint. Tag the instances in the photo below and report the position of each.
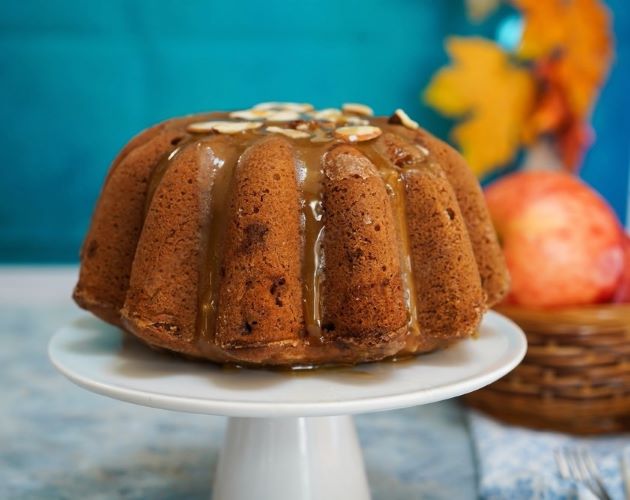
(290, 434)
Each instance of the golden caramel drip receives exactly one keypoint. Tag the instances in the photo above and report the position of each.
(222, 155)
(311, 176)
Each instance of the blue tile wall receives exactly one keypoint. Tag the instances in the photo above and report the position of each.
(78, 78)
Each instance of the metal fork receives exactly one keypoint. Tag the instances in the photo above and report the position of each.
(578, 464)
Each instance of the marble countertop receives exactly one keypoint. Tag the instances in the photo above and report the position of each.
(60, 441)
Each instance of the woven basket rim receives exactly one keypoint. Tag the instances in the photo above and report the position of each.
(584, 320)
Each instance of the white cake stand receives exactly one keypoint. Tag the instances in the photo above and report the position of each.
(290, 434)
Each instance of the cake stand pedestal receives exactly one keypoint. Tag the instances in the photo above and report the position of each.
(290, 435)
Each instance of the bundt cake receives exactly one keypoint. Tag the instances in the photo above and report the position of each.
(284, 235)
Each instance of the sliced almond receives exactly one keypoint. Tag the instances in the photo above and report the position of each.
(223, 127)
(289, 132)
(401, 118)
(328, 115)
(283, 116)
(300, 107)
(423, 150)
(305, 126)
(358, 134)
(321, 138)
(355, 120)
(251, 114)
(355, 108)
(320, 134)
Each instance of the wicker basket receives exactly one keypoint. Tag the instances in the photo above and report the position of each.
(576, 374)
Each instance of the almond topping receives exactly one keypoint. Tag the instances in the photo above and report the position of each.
(289, 132)
(283, 116)
(328, 115)
(355, 120)
(354, 108)
(305, 126)
(300, 107)
(321, 138)
(251, 114)
(358, 134)
(401, 118)
(223, 127)
(321, 135)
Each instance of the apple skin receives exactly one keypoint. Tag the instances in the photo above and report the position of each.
(562, 242)
(622, 294)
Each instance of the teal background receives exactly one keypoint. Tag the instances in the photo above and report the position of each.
(78, 78)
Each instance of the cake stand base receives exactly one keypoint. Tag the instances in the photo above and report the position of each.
(292, 458)
(285, 439)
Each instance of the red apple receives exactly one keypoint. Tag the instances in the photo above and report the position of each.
(562, 242)
(623, 290)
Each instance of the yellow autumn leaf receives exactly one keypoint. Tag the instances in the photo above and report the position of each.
(491, 94)
(577, 35)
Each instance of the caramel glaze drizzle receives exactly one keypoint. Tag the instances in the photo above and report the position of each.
(223, 155)
(311, 177)
(220, 153)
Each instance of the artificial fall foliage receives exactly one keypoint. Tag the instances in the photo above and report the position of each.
(547, 87)
(493, 95)
(571, 46)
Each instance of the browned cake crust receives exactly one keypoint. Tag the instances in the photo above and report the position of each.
(488, 253)
(262, 259)
(161, 305)
(316, 248)
(451, 301)
(449, 297)
(362, 292)
(109, 247)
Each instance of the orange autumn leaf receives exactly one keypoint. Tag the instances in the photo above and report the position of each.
(550, 109)
(576, 33)
(553, 114)
(492, 95)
